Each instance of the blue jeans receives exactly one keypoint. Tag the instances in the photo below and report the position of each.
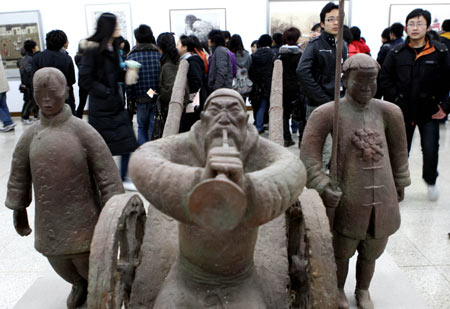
(429, 140)
(5, 117)
(145, 119)
(260, 114)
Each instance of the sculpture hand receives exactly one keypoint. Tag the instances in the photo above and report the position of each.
(400, 194)
(331, 197)
(227, 161)
(21, 222)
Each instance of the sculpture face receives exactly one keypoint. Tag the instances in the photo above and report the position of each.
(361, 85)
(225, 112)
(50, 95)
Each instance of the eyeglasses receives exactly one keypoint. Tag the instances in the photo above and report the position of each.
(418, 25)
(332, 19)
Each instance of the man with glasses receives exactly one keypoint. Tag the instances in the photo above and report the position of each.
(415, 77)
(316, 68)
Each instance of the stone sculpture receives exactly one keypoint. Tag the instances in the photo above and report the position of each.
(372, 171)
(221, 181)
(73, 175)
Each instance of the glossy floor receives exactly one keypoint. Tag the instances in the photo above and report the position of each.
(420, 249)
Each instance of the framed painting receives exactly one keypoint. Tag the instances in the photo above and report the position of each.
(198, 22)
(121, 10)
(15, 29)
(303, 14)
(439, 13)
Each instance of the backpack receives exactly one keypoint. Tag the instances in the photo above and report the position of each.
(242, 83)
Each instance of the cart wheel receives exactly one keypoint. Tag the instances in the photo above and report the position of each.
(311, 256)
(115, 251)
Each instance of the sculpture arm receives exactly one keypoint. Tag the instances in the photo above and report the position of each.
(274, 188)
(396, 140)
(165, 184)
(19, 184)
(101, 164)
(316, 131)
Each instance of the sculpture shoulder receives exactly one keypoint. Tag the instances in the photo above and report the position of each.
(388, 109)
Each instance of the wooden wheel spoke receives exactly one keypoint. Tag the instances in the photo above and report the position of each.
(114, 252)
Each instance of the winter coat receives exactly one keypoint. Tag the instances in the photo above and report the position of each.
(290, 56)
(417, 83)
(195, 76)
(261, 71)
(445, 38)
(384, 50)
(167, 77)
(243, 60)
(357, 47)
(56, 59)
(148, 56)
(372, 163)
(317, 67)
(4, 86)
(73, 176)
(220, 73)
(26, 69)
(100, 74)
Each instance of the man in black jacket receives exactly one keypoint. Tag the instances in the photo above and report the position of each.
(415, 77)
(53, 57)
(317, 67)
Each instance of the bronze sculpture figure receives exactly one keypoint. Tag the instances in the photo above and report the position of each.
(372, 171)
(73, 175)
(244, 181)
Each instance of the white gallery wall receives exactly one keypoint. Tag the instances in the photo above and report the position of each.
(247, 18)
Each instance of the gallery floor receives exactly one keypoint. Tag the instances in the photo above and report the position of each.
(413, 273)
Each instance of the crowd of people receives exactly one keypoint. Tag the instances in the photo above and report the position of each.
(412, 76)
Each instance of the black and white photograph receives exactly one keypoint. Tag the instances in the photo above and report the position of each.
(198, 22)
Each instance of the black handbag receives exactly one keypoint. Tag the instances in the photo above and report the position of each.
(160, 120)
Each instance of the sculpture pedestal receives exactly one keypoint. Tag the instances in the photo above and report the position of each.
(48, 292)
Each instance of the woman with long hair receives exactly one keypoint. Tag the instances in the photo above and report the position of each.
(169, 66)
(186, 49)
(241, 83)
(101, 74)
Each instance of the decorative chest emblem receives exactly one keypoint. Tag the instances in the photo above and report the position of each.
(370, 143)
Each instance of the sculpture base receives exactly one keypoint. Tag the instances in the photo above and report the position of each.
(48, 292)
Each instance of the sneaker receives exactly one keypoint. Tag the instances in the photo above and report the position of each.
(27, 121)
(433, 193)
(288, 143)
(129, 186)
(8, 128)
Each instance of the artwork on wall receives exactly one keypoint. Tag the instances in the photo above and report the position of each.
(121, 10)
(15, 29)
(439, 13)
(303, 14)
(198, 22)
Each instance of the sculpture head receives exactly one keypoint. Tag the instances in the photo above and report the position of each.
(50, 91)
(224, 109)
(360, 78)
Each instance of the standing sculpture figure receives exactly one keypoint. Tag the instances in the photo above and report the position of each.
(221, 182)
(372, 173)
(73, 175)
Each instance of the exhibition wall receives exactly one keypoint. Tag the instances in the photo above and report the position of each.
(250, 19)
